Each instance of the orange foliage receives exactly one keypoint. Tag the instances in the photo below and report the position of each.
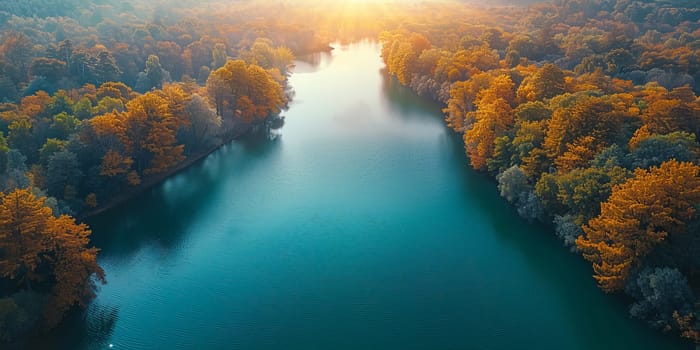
(639, 214)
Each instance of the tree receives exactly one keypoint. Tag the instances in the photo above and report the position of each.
(532, 112)
(30, 237)
(16, 172)
(582, 190)
(661, 293)
(61, 103)
(219, 56)
(24, 222)
(667, 112)
(149, 134)
(114, 163)
(154, 72)
(17, 48)
(656, 149)
(63, 125)
(204, 125)
(49, 68)
(545, 83)
(51, 147)
(598, 117)
(514, 187)
(170, 56)
(21, 137)
(83, 108)
(63, 170)
(493, 117)
(578, 154)
(512, 183)
(639, 214)
(245, 89)
(218, 89)
(263, 54)
(64, 51)
(106, 68)
(75, 268)
(567, 230)
(461, 102)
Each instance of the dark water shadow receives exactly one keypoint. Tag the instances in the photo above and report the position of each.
(163, 214)
(404, 102)
(567, 275)
(154, 218)
(313, 62)
(87, 329)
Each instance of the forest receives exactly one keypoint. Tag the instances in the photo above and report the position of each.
(585, 113)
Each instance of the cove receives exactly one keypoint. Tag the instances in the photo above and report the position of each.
(358, 225)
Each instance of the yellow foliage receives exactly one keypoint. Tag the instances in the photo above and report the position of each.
(639, 214)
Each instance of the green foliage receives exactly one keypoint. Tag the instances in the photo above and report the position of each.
(657, 149)
(154, 72)
(582, 190)
(660, 292)
(51, 147)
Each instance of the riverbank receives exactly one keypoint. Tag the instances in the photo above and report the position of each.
(238, 131)
(154, 180)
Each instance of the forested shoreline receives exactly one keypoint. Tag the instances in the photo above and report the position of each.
(82, 129)
(585, 112)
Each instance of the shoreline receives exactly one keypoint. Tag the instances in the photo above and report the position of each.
(151, 182)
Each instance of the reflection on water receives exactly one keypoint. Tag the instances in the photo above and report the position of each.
(312, 62)
(177, 203)
(404, 102)
(89, 329)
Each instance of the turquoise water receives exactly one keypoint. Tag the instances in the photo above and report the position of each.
(358, 225)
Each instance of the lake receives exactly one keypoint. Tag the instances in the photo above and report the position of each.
(358, 225)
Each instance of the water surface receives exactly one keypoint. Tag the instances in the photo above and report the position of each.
(360, 226)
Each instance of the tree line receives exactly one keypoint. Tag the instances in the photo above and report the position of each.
(586, 114)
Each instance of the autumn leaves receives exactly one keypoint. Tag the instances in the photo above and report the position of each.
(639, 215)
(614, 165)
(83, 146)
(43, 252)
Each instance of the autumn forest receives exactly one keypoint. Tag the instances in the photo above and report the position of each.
(583, 115)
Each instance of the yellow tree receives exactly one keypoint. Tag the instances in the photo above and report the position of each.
(177, 100)
(547, 82)
(639, 214)
(114, 163)
(599, 117)
(218, 90)
(578, 154)
(244, 89)
(74, 267)
(461, 102)
(493, 116)
(265, 92)
(24, 222)
(30, 236)
(150, 133)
